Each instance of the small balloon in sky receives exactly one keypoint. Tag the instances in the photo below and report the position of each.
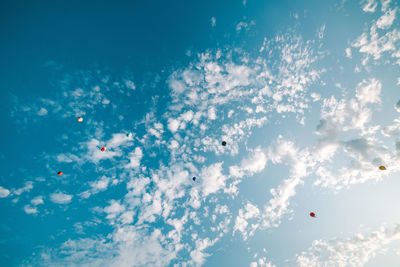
(59, 173)
(128, 134)
(223, 143)
(312, 214)
(79, 119)
(194, 178)
(103, 148)
(382, 168)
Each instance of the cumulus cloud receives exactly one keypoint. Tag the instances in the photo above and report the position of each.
(130, 84)
(42, 112)
(368, 91)
(30, 210)
(60, 198)
(4, 192)
(215, 179)
(387, 19)
(134, 158)
(114, 209)
(198, 255)
(376, 43)
(95, 154)
(241, 222)
(100, 185)
(37, 200)
(173, 125)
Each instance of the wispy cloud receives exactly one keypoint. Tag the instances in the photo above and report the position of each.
(354, 251)
(60, 198)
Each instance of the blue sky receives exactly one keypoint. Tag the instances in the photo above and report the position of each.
(305, 93)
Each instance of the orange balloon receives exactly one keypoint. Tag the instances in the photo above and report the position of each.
(79, 119)
(382, 168)
(59, 173)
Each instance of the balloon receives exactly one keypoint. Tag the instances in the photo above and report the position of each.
(382, 168)
(59, 173)
(312, 214)
(223, 143)
(79, 119)
(194, 178)
(103, 148)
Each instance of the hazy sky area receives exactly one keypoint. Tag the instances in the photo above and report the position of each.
(306, 95)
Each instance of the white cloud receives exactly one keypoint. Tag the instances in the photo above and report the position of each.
(60, 198)
(354, 251)
(213, 21)
(250, 211)
(371, 44)
(174, 144)
(300, 161)
(387, 19)
(211, 113)
(134, 158)
(370, 6)
(213, 180)
(392, 130)
(100, 185)
(245, 25)
(37, 200)
(27, 187)
(369, 91)
(114, 209)
(262, 262)
(130, 247)
(30, 210)
(67, 157)
(197, 255)
(173, 125)
(348, 52)
(130, 84)
(385, 4)
(95, 154)
(254, 164)
(119, 139)
(4, 192)
(397, 106)
(42, 112)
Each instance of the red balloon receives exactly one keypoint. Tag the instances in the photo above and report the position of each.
(59, 173)
(103, 148)
(312, 214)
